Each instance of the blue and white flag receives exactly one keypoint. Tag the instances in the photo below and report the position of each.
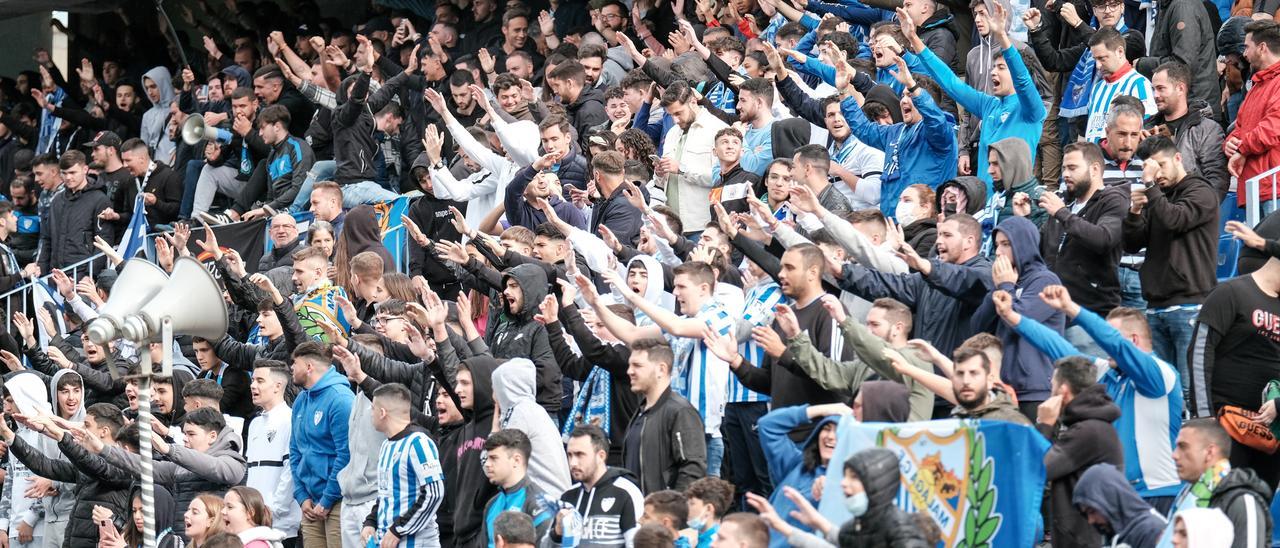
(981, 481)
(45, 297)
(135, 237)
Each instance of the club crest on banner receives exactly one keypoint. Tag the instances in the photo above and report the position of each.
(949, 478)
(980, 480)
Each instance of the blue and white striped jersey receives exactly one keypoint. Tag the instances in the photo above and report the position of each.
(410, 489)
(758, 312)
(699, 375)
(1125, 82)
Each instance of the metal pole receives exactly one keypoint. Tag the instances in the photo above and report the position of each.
(144, 450)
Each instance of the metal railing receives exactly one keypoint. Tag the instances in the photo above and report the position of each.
(1252, 194)
(23, 293)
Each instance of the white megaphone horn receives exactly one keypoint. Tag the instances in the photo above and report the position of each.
(191, 301)
(194, 130)
(139, 281)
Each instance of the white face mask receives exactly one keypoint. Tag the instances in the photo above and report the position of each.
(857, 504)
(906, 213)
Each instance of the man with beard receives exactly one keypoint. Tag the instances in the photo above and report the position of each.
(606, 499)
(1174, 217)
(584, 105)
(1080, 240)
(483, 28)
(685, 168)
(755, 109)
(971, 381)
(1121, 169)
(466, 109)
(1199, 137)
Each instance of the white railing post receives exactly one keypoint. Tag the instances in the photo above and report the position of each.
(1253, 194)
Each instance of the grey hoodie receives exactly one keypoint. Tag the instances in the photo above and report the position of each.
(513, 390)
(153, 120)
(359, 478)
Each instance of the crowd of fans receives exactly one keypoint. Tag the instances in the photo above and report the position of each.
(656, 252)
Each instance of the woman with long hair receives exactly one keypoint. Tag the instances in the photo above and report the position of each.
(246, 515)
(131, 537)
(360, 233)
(203, 519)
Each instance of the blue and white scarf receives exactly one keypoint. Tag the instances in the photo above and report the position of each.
(1075, 98)
(49, 124)
(591, 405)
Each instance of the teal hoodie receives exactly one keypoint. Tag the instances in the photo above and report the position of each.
(318, 449)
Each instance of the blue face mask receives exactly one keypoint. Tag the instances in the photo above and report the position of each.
(857, 504)
(697, 524)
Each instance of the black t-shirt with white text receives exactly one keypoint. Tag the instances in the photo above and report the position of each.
(1247, 356)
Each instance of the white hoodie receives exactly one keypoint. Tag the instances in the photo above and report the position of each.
(31, 397)
(261, 537)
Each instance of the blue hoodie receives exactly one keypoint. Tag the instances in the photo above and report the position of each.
(1024, 368)
(923, 152)
(1020, 115)
(318, 449)
(786, 461)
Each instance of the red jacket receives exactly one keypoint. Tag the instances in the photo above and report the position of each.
(1258, 127)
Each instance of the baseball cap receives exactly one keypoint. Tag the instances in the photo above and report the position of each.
(106, 139)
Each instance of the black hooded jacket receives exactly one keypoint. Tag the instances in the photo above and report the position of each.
(468, 513)
(939, 35)
(168, 518)
(1179, 229)
(98, 484)
(1082, 438)
(884, 525)
(975, 192)
(433, 216)
(515, 334)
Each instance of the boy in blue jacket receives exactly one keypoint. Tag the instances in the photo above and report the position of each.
(921, 149)
(1146, 388)
(1014, 108)
(318, 449)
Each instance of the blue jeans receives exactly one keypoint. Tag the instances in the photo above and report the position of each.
(365, 192)
(1265, 208)
(320, 171)
(1131, 289)
(1171, 331)
(715, 454)
(189, 183)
